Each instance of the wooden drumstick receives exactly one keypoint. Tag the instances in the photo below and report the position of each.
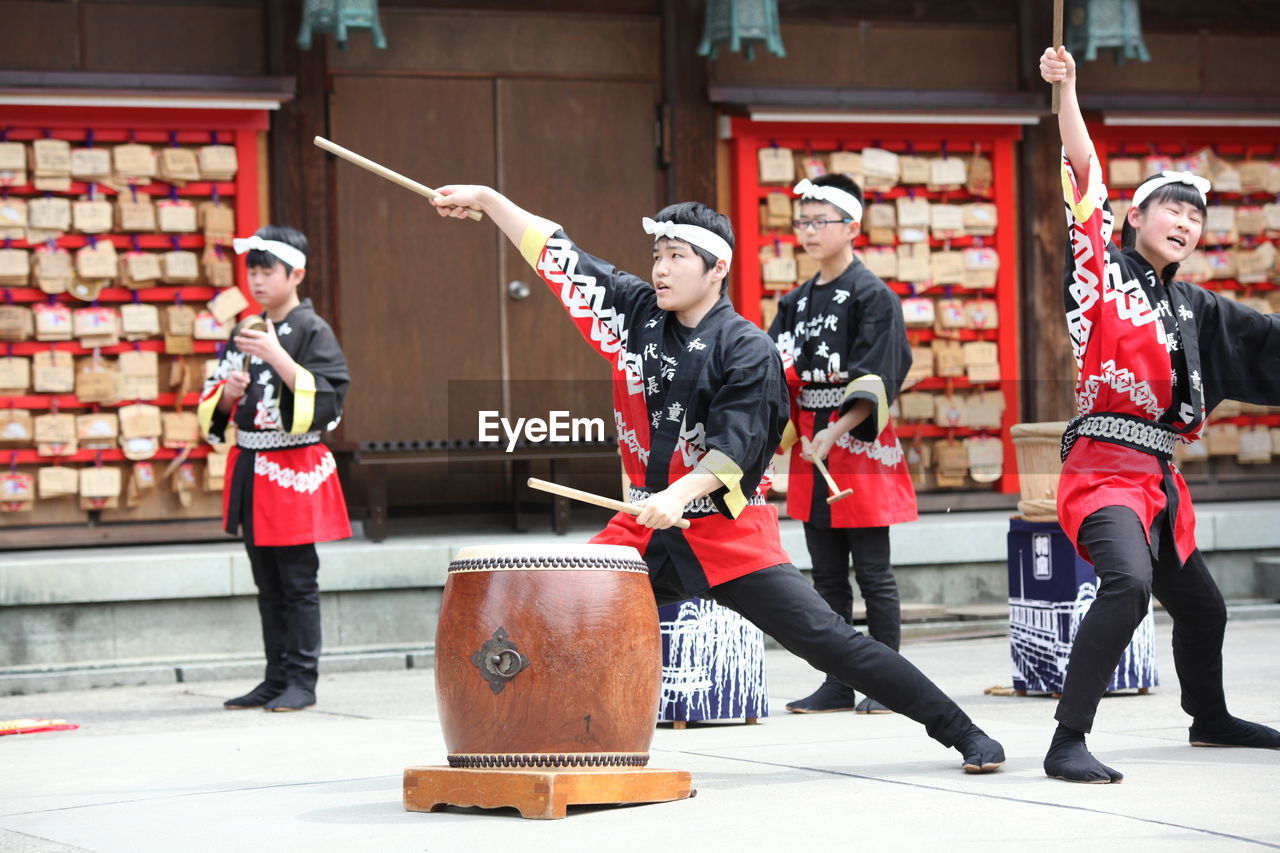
(1057, 43)
(383, 171)
(836, 494)
(587, 497)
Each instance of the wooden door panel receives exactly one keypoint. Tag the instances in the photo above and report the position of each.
(418, 294)
(579, 153)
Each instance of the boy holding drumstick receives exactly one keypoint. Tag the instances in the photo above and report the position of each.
(700, 406)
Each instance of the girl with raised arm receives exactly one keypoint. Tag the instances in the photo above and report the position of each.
(1154, 356)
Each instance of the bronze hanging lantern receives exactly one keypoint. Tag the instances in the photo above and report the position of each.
(741, 24)
(1093, 24)
(338, 16)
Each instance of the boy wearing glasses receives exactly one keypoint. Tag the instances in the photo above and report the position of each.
(844, 347)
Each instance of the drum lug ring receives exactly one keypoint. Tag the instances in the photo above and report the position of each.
(499, 660)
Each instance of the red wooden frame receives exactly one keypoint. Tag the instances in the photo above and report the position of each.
(156, 126)
(748, 137)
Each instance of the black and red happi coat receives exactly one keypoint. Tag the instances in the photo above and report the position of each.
(278, 469)
(1148, 346)
(718, 403)
(841, 342)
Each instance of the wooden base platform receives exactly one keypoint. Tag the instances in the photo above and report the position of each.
(539, 794)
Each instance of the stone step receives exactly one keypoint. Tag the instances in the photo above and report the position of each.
(914, 612)
(980, 611)
(1268, 569)
(19, 681)
(910, 612)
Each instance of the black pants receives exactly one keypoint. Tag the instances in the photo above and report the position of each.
(830, 549)
(1128, 575)
(289, 604)
(780, 602)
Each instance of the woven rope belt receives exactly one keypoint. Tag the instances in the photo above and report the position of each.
(702, 507)
(1155, 439)
(820, 398)
(275, 440)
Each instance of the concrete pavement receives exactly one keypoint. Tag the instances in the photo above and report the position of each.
(164, 768)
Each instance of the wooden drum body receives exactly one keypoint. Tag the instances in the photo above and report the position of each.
(548, 656)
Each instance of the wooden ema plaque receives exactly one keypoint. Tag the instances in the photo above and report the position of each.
(539, 794)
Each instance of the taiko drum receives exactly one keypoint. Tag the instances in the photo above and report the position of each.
(548, 656)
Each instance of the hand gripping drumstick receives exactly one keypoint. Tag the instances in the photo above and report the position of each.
(587, 497)
(836, 494)
(383, 171)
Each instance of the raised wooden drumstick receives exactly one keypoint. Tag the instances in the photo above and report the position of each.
(587, 497)
(836, 494)
(383, 171)
(1057, 43)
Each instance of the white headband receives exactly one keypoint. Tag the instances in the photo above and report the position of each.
(694, 235)
(291, 256)
(832, 195)
(1166, 178)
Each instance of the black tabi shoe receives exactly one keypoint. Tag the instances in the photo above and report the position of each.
(871, 706)
(1233, 732)
(1069, 759)
(294, 698)
(982, 753)
(831, 696)
(255, 698)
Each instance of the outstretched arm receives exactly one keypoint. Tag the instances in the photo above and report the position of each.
(456, 200)
(1089, 222)
(1057, 66)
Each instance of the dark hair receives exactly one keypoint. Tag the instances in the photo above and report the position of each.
(281, 234)
(697, 213)
(840, 181)
(1175, 192)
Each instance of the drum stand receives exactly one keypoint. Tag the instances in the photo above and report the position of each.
(540, 794)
